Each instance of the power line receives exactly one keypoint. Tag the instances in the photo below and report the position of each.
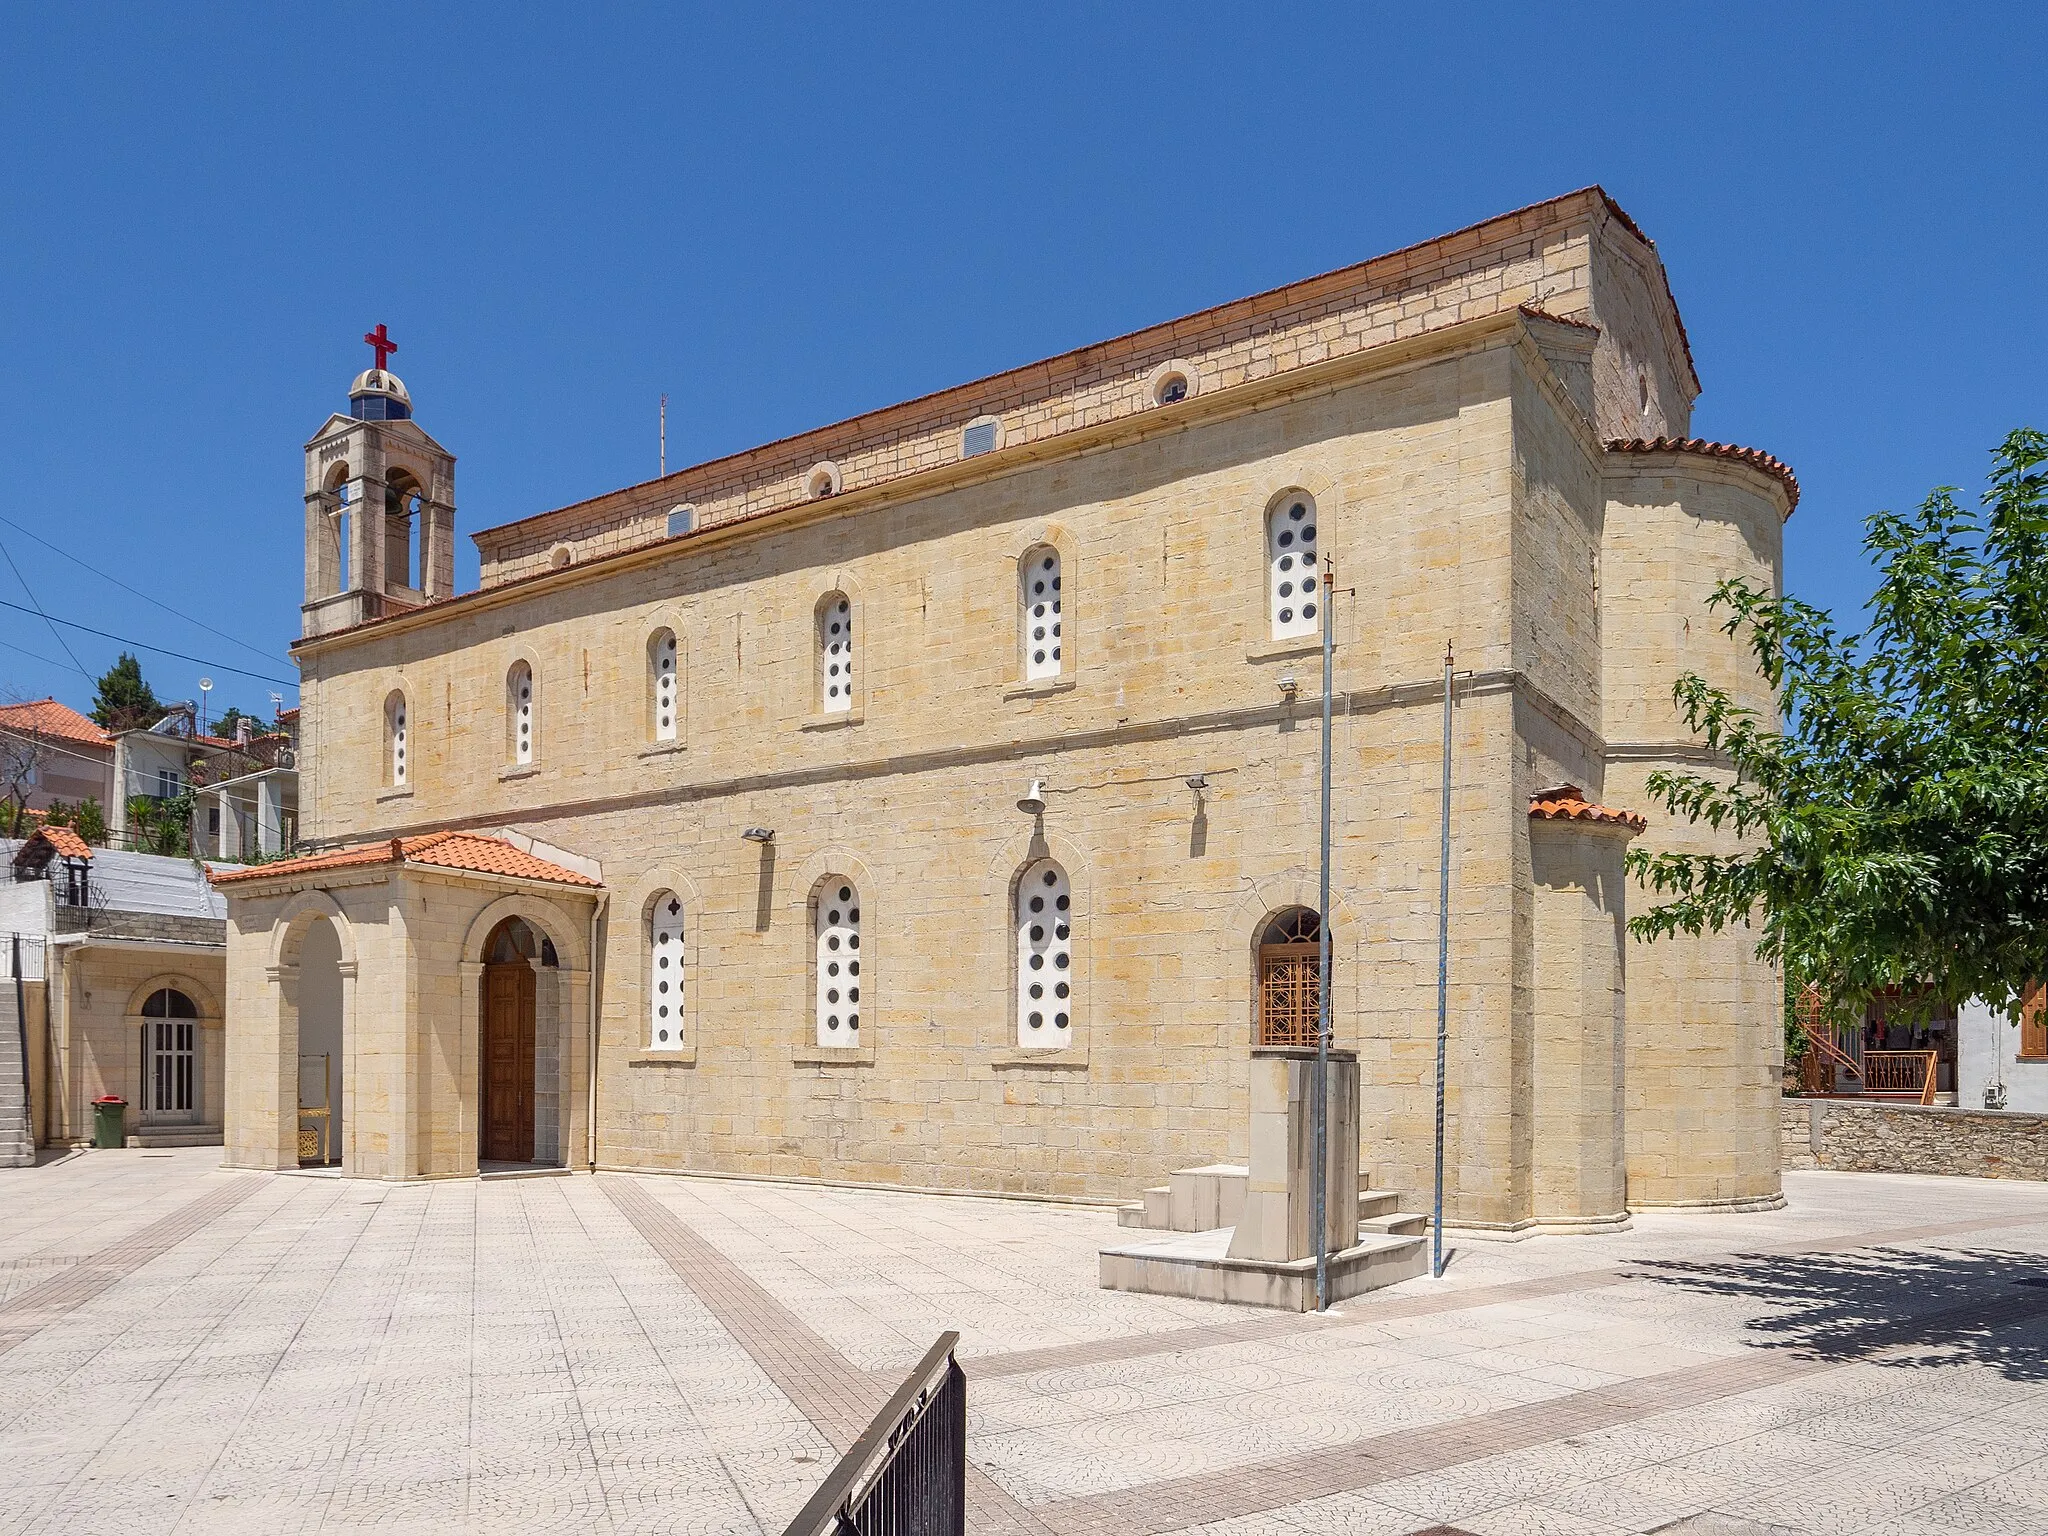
(218, 666)
(117, 581)
(31, 655)
(31, 594)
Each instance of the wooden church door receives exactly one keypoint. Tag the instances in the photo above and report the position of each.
(507, 1054)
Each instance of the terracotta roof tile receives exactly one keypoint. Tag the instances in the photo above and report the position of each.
(68, 843)
(1754, 457)
(1537, 312)
(49, 718)
(1567, 802)
(441, 850)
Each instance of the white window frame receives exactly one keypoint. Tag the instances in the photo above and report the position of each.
(1294, 597)
(1041, 616)
(1044, 934)
(519, 704)
(836, 655)
(840, 985)
(665, 664)
(667, 972)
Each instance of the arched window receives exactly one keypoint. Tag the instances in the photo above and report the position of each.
(661, 679)
(837, 927)
(665, 973)
(1290, 978)
(397, 734)
(519, 711)
(835, 653)
(1045, 958)
(1039, 613)
(1294, 599)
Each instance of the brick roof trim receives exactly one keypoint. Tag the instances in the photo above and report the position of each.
(1214, 317)
(1567, 802)
(1755, 458)
(470, 852)
(50, 718)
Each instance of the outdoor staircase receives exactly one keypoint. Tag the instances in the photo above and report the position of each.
(17, 1134)
(1203, 1199)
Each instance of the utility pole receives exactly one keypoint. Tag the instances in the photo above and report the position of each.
(1443, 978)
(1320, 1095)
(664, 436)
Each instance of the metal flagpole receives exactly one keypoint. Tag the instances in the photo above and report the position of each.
(1320, 1095)
(1443, 980)
(664, 435)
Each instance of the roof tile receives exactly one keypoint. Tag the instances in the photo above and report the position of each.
(49, 718)
(1567, 802)
(470, 851)
(1756, 458)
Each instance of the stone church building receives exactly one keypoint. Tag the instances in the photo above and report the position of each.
(931, 799)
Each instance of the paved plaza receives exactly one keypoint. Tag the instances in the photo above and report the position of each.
(185, 1349)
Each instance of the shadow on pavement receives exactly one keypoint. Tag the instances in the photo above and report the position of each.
(1921, 1307)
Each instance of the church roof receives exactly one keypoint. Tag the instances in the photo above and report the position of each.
(46, 717)
(469, 851)
(1756, 458)
(1568, 802)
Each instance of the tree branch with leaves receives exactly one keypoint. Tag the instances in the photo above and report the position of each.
(1898, 824)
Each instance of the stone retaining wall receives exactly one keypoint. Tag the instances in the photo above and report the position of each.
(1907, 1138)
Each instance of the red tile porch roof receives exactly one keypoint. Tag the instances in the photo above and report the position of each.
(1567, 802)
(469, 851)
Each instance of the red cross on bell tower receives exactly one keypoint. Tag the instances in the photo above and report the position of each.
(381, 341)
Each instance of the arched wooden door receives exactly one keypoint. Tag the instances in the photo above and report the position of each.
(1290, 979)
(505, 1118)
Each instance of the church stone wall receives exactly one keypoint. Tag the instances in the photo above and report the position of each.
(1459, 489)
(1705, 1016)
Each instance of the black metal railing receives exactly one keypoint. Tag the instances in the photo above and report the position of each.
(907, 1475)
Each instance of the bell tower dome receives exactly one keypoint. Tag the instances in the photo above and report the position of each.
(380, 506)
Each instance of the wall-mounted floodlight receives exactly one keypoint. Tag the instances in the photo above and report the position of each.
(1033, 803)
(759, 834)
(1198, 782)
(1288, 685)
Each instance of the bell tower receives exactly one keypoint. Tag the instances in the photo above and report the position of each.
(380, 507)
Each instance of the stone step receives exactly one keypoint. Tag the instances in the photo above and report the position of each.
(1159, 1207)
(177, 1136)
(1203, 1199)
(1395, 1224)
(1376, 1202)
(1132, 1215)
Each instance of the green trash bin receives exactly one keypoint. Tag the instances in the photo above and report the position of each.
(107, 1122)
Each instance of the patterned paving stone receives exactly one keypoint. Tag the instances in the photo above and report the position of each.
(196, 1351)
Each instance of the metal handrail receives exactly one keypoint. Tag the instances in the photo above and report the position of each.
(832, 1510)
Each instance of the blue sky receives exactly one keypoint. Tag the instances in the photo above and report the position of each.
(783, 216)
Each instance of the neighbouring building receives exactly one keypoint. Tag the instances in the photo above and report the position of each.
(123, 970)
(931, 799)
(64, 756)
(2002, 1063)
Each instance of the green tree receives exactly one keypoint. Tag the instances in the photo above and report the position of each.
(1899, 824)
(125, 702)
(160, 826)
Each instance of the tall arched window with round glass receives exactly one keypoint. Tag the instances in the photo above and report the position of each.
(1043, 621)
(1294, 598)
(838, 964)
(1045, 959)
(835, 653)
(395, 729)
(665, 974)
(661, 659)
(519, 706)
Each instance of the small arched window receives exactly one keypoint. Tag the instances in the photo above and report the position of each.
(519, 711)
(837, 927)
(663, 699)
(835, 653)
(169, 1003)
(1045, 958)
(398, 735)
(1040, 613)
(1294, 600)
(665, 973)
